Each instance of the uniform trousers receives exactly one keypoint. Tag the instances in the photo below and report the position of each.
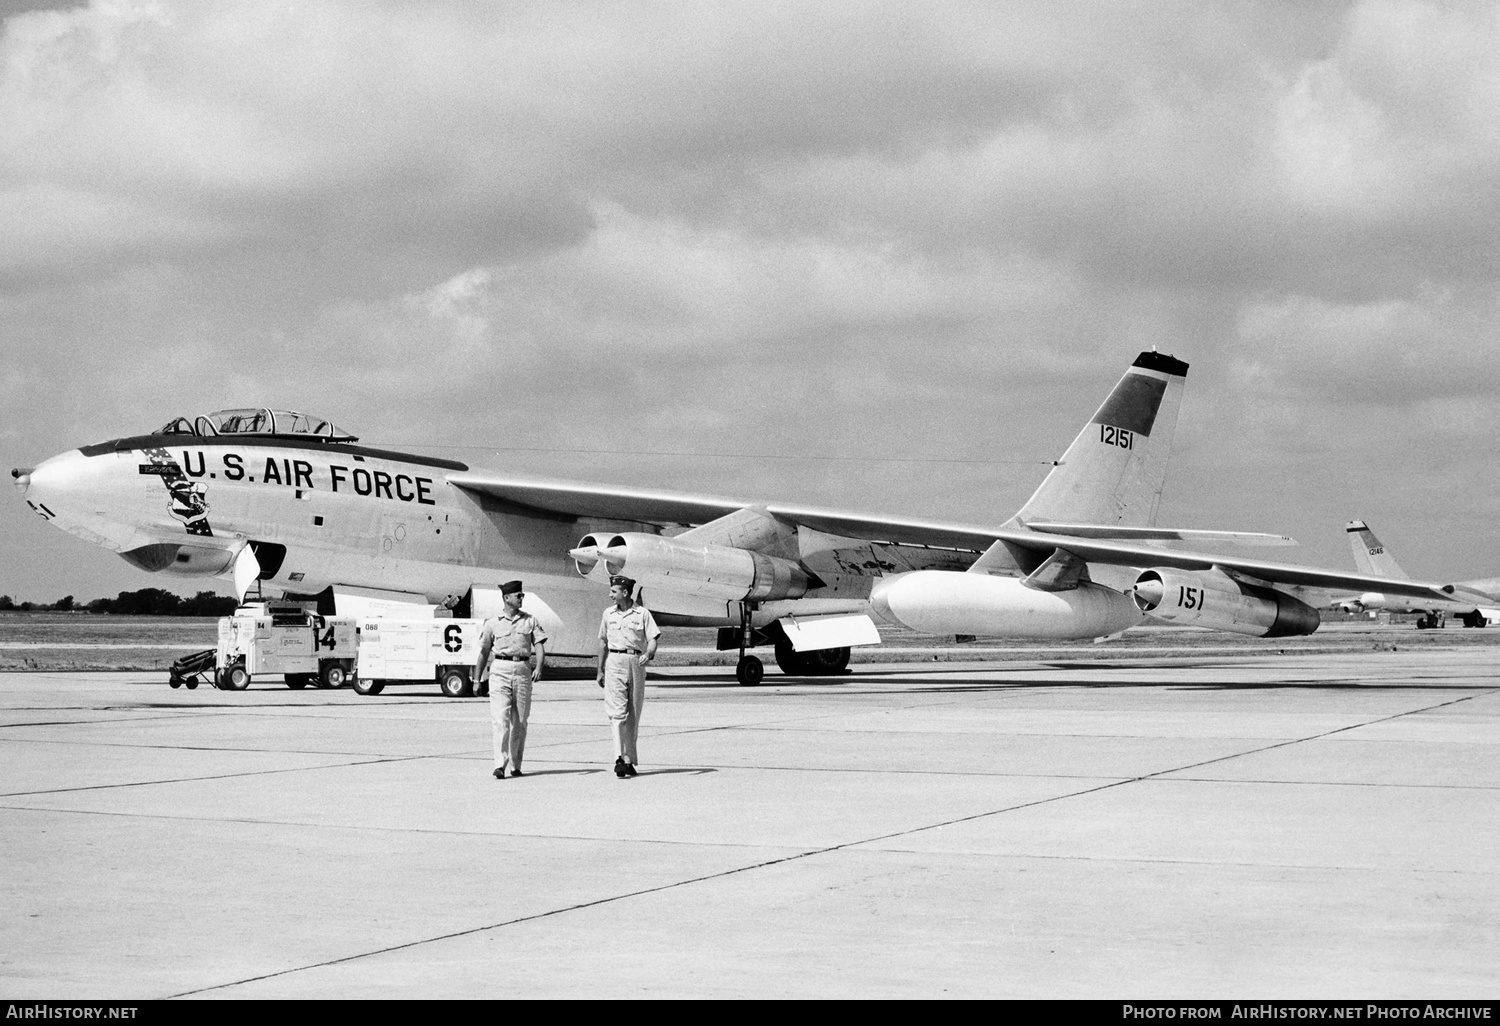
(624, 694)
(510, 707)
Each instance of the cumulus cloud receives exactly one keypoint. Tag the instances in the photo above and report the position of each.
(787, 229)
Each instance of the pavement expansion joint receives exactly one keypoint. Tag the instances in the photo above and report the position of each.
(549, 913)
(1377, 784)
(206, 777)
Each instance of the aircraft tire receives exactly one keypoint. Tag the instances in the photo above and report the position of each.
(750, 671)
(366, 686)
(174, 682)
(789, 661)
(826, 662)
(192, 685)
(823, 662)
(237, 678)
(455, 683)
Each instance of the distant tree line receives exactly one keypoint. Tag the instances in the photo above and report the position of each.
(146, 602)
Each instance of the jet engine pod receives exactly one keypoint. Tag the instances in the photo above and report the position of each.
(949, 602)
(719, 572)
(586, 555)
(1219, 602)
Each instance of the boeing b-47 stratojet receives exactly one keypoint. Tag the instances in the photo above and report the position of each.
(295, 503)
(1473, 602)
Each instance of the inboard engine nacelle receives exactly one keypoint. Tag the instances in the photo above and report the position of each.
(711, 571)
(949, 602)
(1218, 601)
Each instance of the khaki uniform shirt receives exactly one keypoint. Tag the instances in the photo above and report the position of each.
(505, 631)
(631, 629)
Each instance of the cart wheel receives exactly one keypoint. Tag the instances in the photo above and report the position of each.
(750, 670)
(454, 683)
(366, 686)
(237, 679)
(334, 675)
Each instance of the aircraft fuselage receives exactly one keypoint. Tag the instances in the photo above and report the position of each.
(317, 515)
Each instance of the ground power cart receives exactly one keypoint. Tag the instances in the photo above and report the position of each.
(417, 652)
(302, 646)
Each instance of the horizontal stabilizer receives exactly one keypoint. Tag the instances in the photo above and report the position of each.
(1161, 534)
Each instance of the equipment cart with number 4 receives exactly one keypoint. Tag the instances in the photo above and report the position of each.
(418, 652)
(300, 645)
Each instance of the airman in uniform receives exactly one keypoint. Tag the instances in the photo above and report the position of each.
(627, 642)
(506, 645)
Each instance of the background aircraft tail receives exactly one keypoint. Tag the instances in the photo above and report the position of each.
(1114, 471)
(1369, 554)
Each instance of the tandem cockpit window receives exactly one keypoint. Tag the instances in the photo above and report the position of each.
(257, 422)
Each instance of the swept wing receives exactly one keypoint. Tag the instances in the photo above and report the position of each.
(1091, 543)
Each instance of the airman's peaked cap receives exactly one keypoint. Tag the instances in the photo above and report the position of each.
(510, 587)
(622, 581)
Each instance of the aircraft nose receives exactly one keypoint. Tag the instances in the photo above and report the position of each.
(54, 485)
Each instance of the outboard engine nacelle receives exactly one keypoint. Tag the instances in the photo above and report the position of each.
(1218, 601)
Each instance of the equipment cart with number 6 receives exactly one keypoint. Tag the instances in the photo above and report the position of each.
(418, 652)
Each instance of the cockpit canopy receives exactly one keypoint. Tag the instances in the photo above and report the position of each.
(256, 422)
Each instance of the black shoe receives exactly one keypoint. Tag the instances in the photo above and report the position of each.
(626, 770)
(482, 693)
(620, 768)
(499, 773)
(516, 773)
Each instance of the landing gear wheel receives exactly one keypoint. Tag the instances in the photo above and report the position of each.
(174, 682)
(192, 684)
(237, 679)
(298, 681)
(334, 675)
(750, 671)
(1474, 619)
(454, 683)
(366, 686)
(825, 662)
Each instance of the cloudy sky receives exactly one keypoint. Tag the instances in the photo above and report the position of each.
(882, 256)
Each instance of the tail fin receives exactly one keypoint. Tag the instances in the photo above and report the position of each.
(1114, 471)
(1369, 555)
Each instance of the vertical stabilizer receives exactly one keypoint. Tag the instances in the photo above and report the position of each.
(1369, 554)
(1114, 471)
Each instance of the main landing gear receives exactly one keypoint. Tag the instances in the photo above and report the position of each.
(749, 670)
